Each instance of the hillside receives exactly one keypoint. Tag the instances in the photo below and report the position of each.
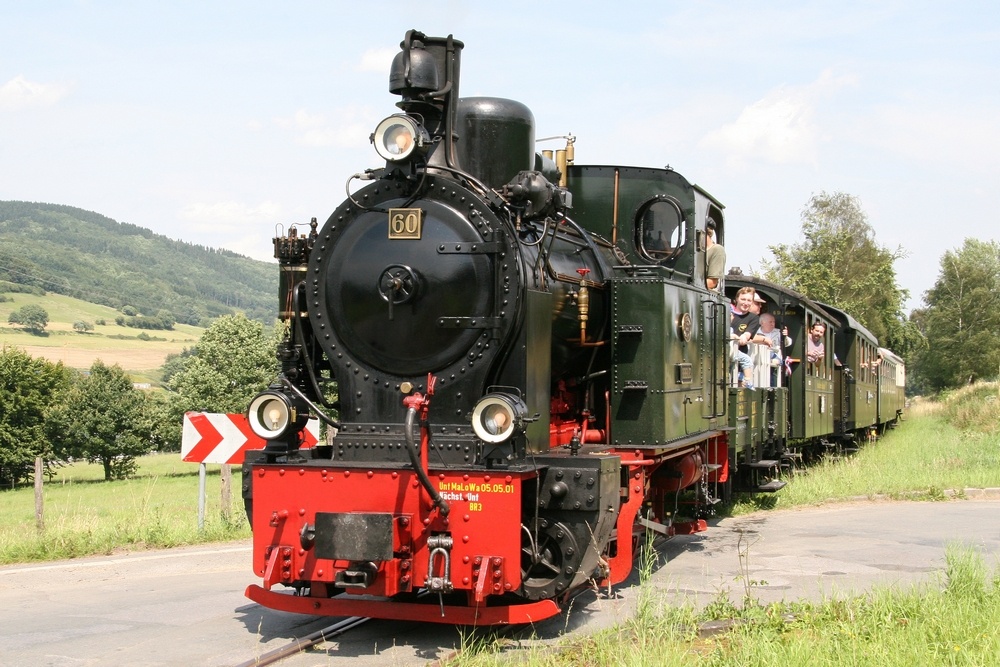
(91, 257)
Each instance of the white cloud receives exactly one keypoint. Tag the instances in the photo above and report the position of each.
(948, 137)
(377, 60)
(346, 128)
(305, 120)
(253, 245)
(231, 214)
(19, 93)
(779, 128)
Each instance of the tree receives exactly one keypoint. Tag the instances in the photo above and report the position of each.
(166, 319)
(174, 364)
(961, 319)
(840, 263)
(82, 326)
(28, 387)
(233, 361)
(103, 419)
(165, 434)
(30, 316)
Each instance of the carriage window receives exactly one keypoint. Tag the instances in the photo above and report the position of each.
(820, 367)
(660, 230)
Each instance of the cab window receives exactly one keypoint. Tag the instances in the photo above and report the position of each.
(660, 230)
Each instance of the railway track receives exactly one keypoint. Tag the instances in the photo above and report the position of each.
(299, 645)
(343, 626)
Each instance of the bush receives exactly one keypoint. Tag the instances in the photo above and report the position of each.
(140, 322)
(18, 288)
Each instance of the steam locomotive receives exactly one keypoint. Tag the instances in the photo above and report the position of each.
(521, 370)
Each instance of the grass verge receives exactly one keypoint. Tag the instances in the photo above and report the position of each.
(85, 515)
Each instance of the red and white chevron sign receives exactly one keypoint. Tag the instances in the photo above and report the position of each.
(210, 437)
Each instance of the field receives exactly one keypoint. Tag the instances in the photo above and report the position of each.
(109, 342)
(84, 515)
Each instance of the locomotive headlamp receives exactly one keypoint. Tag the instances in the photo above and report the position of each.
(273, 414)
(497, 417)
(397, 137)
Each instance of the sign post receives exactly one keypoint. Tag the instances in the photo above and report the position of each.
(201, 496)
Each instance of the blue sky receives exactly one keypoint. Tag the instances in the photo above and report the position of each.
(212, 122)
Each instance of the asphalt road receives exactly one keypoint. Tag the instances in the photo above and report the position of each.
(186, 606)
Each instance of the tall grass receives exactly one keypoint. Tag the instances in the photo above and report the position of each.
(84, 515)
(921, 458)
(973, 408)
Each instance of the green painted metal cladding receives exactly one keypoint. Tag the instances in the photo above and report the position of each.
(659, 379)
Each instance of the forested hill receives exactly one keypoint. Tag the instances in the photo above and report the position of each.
(94, 258)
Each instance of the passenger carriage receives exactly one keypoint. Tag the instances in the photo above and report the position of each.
(809, 388)
(855, 378)
(891, 374)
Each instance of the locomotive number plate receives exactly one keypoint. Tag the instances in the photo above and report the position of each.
(405, 223)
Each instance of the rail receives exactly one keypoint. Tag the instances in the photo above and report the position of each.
(305, 643)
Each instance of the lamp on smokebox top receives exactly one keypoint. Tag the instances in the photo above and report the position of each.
(397, 137)
(278, 418)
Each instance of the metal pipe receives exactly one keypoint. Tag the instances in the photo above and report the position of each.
(411, 448)
(614, 212)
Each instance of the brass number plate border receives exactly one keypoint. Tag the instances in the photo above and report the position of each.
(405, 223)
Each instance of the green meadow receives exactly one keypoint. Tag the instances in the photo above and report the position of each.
(84, 515)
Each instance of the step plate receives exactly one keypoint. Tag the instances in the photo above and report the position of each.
(772, 486)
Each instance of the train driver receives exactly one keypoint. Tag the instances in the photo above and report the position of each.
(715, 258)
